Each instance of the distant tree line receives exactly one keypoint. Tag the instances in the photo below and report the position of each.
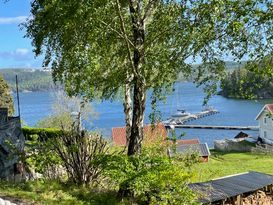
(29, 79)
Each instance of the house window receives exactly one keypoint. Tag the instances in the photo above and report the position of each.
(265, 134)
(265, 120)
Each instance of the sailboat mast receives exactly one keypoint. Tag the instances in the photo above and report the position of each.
(18, 99)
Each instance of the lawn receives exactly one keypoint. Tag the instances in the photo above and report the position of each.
(52, 192)
(223, 164)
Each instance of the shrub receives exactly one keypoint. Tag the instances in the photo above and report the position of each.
(40, 133)
(152, 177)
(78, 152)
(67, 154)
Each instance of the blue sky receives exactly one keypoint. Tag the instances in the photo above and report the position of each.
(15, 50)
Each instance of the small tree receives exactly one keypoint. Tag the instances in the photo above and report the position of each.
(5, 96)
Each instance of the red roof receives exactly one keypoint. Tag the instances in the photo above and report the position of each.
(188, 142)
(270, 108)
(150, 133)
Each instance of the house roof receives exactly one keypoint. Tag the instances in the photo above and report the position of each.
(185, 142)
(268, 107)
(230, 186)
(201, 149)
(241, 135)
(150, 133)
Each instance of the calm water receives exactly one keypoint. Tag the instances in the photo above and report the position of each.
(37, 105)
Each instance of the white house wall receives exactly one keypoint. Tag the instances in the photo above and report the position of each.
(266, 129)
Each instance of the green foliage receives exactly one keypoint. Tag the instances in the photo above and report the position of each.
(38, 154)
(60, 121)
(51, 192)
(78, 152)
(246, 84)
(42, 133)
(70, 154)
(29, 79)
(5, 96)
(151, 177)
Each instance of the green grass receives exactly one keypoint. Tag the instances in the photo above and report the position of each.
(52, 192)
(223, 164)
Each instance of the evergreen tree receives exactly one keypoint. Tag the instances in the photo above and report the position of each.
(5, 96)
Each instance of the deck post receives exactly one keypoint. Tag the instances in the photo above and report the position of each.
(239, 200)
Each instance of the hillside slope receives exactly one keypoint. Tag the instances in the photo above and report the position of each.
(29, 79)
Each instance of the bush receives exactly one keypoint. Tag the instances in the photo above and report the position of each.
(151, 177)
(67, 154)
(40, 133)
(78, 153)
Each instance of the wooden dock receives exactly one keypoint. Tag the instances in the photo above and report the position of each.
(190, 117)
(221, 127)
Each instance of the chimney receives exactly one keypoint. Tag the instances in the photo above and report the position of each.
(3, 115)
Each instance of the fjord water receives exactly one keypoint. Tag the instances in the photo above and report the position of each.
(37, 105)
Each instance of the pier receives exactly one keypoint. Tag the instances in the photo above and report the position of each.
(221, 127)
(184, 117)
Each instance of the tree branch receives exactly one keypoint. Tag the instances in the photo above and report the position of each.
(149, 9)
(117, 32)
(127, 40)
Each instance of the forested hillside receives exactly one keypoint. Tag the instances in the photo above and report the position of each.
(245, 84)
(29, 79)
(229, 65)
(41, 80)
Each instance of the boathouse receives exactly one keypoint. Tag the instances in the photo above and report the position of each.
(246, 188)
(265, 119)
(201, 149)
(151, 133)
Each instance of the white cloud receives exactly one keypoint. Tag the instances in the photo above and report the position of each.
(13, 20)
(22, 51)
(20, 54)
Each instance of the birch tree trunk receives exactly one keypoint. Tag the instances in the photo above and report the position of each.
(136, 137)
(139, 93)
(128, 110)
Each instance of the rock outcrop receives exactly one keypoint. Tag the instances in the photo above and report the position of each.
(11, 143)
